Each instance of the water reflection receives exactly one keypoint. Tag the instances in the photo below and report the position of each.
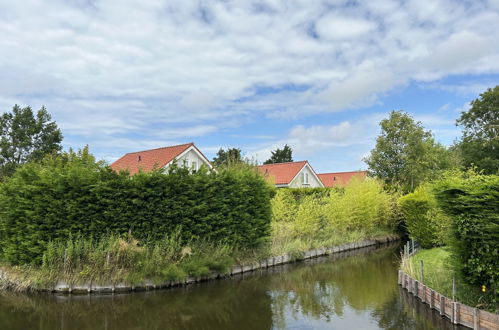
(349, 291)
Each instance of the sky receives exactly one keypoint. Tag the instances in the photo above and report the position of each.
(123, 75)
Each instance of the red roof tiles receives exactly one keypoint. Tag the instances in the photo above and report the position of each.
(147, 160)
(282, 173)
(340, 179)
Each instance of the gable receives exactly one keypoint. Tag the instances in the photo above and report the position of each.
(313, 179)
(148, 160)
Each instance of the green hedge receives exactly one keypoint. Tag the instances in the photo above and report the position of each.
(73, 195)
(473, 203)
(425, 222)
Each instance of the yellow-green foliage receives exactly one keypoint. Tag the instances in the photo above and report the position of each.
(425, 222)
(332, 217)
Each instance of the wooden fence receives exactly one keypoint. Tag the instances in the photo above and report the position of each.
(456, 312)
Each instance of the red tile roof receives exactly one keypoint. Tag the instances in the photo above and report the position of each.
(147, 160)
(340, 179)
(282, 173)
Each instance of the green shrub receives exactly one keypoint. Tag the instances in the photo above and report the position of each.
(473, 203)
(329, 216)
(425, 222)
(74, 195)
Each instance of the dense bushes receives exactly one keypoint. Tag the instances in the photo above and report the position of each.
(473, 203)
(73, 195)
(325, 217)
(425, 222)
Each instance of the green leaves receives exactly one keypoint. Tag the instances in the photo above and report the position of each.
(26, 136)
(405, 154)
(473, 203)
(72, 194)
(425, 222)
(283, 155)
(479, 144)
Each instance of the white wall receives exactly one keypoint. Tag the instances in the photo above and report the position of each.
(312, 181)
(189, 157)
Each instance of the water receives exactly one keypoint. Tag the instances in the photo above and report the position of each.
(354, 290)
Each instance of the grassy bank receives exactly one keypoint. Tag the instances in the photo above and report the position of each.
(439, 271)
(125, 260)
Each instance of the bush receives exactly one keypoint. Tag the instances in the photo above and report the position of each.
(72, 194)
(473, 203)
(329, 216)
(425, 222)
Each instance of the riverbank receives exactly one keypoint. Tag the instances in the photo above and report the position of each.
(19, 278)
(456, 312)
(439, 273)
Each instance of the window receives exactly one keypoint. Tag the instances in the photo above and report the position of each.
(194, 166)
(305, 178)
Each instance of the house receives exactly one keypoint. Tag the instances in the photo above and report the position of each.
(185, 155)
(340, 179)
(291, 175)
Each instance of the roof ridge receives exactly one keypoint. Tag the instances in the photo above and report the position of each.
(178, 145)
(300, 161)
(343, 172)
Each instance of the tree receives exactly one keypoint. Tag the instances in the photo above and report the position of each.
(479, 144)
(283, 155)
(231, 156)
(25, 137)
(405, 154)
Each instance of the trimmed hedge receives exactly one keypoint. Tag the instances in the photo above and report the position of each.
(73, 195)
(425, 222)
(473, 203)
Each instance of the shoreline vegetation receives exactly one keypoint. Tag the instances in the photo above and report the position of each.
(439, 273)
(455, 220)
(186, 270)
(70, 218)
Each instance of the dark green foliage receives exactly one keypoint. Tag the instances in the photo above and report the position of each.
(480, 141)
(73, 195)
(425, 222)
(229, 157)
(26, 136)
(283, 155)
(473, 204)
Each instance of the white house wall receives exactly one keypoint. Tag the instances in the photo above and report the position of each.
(188, 158)
(312, 180)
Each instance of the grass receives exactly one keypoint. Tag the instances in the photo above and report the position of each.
(439, 271)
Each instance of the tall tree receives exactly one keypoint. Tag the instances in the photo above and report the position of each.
(283, 155)
(405, 154)
(231, 156)
(26, 136)
(479, 144)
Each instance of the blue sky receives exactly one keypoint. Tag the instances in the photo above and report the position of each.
(126, 75)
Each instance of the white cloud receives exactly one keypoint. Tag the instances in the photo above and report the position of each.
(335, 27)
(111, 68)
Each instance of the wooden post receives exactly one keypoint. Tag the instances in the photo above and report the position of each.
(476, 319)
(416, 288)
(455, 312)
(453, 288)
(442, 305)
(432, 298)
(422, 271)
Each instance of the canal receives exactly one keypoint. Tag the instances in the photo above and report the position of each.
(352, 290)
